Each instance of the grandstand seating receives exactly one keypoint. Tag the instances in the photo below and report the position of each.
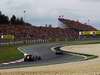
(30, 32)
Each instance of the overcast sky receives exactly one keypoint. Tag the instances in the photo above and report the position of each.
(40, 12)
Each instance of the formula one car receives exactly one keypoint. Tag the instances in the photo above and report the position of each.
(59, 52)
(29, 57)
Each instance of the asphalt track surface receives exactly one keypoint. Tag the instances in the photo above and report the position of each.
(48, 57)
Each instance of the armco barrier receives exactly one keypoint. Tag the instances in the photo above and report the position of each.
(24, 42)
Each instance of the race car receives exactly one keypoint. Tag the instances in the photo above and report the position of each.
(29, 57)
(59, 52)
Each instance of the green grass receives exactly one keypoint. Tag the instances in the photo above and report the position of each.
(9, 53)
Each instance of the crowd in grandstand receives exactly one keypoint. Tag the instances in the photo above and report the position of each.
(32, 32)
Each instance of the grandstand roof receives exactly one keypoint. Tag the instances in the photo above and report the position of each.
(76, 25)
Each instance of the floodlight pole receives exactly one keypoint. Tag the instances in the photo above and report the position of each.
(25, 27)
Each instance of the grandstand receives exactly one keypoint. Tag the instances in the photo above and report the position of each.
(85, 31)
(29, 32)
(76, 25)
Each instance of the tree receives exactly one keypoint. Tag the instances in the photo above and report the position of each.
(13, 19)
(21, 20)
(3, 19)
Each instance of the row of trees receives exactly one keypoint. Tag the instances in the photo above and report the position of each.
(13, 20)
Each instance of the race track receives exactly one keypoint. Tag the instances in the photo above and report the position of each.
(48, 57)
(88, 67)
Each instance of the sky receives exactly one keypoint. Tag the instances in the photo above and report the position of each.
(41, 12)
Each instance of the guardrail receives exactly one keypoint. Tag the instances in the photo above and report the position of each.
(24, 42)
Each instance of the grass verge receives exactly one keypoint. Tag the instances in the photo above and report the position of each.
(9, 53)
